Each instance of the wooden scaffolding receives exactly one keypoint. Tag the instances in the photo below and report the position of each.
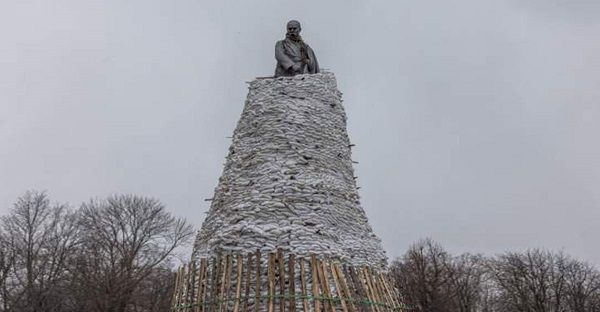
(280, 282)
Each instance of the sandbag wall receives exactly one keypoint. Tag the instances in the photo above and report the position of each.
(288, 180)
(281, 282)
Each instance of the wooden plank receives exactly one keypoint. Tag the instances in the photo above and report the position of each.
(197, 289)
(373, 298)
(257, 300)
(185, 287)
(199, 295)
(247, 276)
(292, 282)
(281, 265)
(355, 288)
(395, 291)
(325, 284)
(182, 288)
(226, 283)
(201, 286)
(392, 290)
(366, 292)
(175, 299)
(271, 280)
(369, 278)
(393, 302)
(238, 287)
(222, 276)
(338, 288)
(377, 286)
(303, 285)
(387, 291)
(191, 282)
(362, 276)
(195, 285)
(214, 305)
(344, 285)
(315, 282)
(384, 294)
(210, 277)
(321, 281)
(205, 285)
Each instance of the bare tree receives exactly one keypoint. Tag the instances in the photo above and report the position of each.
(155, 291)
(530, 281)
(7, 261)
(126, 238)
(424, 277)
(468, 277)
(582, 287)
(42, 238)
(489, 296)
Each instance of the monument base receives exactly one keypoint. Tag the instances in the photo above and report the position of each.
(282, 282)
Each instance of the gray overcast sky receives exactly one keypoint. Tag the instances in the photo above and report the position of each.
(476, 122)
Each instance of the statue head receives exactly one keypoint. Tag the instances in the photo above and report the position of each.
(293, 29)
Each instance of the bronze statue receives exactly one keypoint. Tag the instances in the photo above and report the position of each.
(293, 55)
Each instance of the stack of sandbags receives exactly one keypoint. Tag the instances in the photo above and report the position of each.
(288, 180)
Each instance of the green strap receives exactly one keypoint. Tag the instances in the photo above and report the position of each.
(295, 297)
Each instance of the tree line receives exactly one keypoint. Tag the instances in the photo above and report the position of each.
(432, 280)
(117, 255)
(109, 255)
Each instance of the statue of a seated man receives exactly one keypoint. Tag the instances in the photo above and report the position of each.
(293, 55)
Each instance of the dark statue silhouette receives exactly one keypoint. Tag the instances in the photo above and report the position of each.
(293, 55)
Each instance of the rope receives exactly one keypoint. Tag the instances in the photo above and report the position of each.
(294, 297)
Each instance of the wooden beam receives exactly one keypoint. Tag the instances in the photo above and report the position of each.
(315, 282)
(238, 286)
(303, 285)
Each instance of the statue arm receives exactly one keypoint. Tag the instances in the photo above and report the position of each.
(281, 57)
